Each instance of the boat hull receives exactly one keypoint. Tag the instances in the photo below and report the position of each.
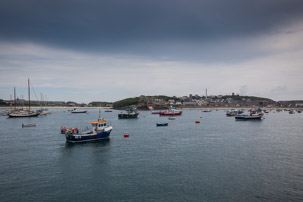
(162, 124)
(29, 125)
(23, 115)
(170, 114)
(79, 112)
(85, 137)
(245, 118)
(128, 116)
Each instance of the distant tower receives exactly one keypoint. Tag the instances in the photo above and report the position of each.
(206, 92)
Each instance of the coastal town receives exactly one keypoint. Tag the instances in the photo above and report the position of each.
(162, 102)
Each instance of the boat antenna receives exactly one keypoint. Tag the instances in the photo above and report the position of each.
(99, 119)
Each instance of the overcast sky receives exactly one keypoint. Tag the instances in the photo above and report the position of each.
(106, 50)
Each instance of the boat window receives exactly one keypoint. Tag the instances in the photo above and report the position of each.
(94, 125)
(105, 124)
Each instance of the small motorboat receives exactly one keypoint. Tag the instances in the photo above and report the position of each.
(207, 110)
(171, 118)
(291, 112)
(245, 117)
(171, 113)
(162, 124)
(29, 125)
(108, 110)
(74, 111)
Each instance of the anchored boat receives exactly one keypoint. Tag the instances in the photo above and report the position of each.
(130, 114)
(171, 113)
(100, 130)
(249, 117)
(75, 110)
(162, 124)
(23, 113)
(29, 125)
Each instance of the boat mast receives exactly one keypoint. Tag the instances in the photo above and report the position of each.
(15, 97)
(29, 98)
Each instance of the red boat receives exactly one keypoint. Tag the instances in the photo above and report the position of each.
(171, 113)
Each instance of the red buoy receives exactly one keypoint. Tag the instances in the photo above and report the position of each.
(197, 121)
(126, 135)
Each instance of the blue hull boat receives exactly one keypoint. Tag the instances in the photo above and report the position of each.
(100, 130)
(88, 136)
(248, 117)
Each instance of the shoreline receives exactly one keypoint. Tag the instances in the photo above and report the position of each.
(179, 108)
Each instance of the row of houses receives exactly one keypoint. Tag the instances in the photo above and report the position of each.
(223, 101)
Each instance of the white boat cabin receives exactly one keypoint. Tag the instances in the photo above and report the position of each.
(99, 125)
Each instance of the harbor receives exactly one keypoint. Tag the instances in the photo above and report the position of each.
(151, 101)
(212, 159)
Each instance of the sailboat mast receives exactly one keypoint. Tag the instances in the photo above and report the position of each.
(29, 97)
(15, 98)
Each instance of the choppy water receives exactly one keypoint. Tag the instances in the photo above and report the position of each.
(219, 159)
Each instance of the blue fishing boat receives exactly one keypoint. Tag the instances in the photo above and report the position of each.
(100, 130)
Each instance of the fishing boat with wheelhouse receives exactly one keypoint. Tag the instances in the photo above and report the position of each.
(100, 131)
(129, 114)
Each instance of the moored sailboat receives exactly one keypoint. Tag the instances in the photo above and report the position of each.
(24, 113)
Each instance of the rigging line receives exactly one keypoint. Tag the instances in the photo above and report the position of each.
(34, 90)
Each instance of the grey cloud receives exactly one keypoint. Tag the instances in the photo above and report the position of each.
(141, 27)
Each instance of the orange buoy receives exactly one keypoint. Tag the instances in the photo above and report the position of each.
(197, 121)
(126, 135)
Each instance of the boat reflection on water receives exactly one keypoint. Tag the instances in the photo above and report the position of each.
(103, 143)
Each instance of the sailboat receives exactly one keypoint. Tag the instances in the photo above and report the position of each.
(25, 113)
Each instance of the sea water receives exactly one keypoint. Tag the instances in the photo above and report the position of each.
(219, 159)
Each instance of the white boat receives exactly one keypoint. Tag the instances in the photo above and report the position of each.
(29, 125)
(207, 110)
(75, 110)
(245, 117)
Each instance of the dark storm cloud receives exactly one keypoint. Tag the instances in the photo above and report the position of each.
(140, 26)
